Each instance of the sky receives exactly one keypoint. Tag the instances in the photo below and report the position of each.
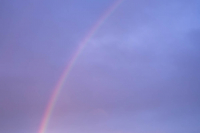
(139, 73)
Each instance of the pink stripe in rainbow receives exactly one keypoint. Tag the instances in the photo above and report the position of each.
(66, 72)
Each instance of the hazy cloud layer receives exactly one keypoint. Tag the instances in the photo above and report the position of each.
(139, 73)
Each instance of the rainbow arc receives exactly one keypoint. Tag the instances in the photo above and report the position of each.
(65, 74)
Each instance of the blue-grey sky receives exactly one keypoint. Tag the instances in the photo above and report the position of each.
(138, 74)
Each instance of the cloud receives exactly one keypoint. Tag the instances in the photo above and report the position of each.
(139, 73)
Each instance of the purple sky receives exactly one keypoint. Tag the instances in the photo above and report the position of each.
(140, 73)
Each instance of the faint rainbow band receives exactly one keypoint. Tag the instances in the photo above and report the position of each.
(59, 85)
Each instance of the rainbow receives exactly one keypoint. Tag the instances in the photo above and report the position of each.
(59, 85)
